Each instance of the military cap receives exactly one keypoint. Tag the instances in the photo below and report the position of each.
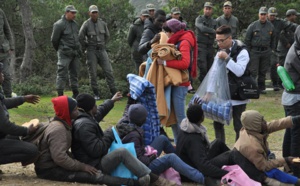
(175, 10)
(144, 12)
(272, 11)
(263, 10)
(150, 7)
(208, 4)
(228, 3)
(70, 8)
(292, 12)
(93, 8)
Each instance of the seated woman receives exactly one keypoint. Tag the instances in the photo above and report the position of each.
(194, 148)
(253, 145)
(137, 115)
(90, 144)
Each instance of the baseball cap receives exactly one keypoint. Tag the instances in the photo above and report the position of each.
(144, 12)
(272, 11)
(150, 6)
(175, 10)
(228, 3)
(208, 4)
(70, 8)
(292, 12)
(263, 10)
(93, 8)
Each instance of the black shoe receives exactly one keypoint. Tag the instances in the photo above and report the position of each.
(276, 88)
(262, 91)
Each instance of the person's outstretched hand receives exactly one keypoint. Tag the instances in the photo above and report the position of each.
(34, 99)
(117, 97)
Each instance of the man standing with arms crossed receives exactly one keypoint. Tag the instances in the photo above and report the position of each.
(228, 19)
(93, 36)
(206, 34)
(65, 41)
(6, 47)
(260, 40)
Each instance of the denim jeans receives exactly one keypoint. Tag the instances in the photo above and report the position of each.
(162, 143)
(178, 95)
(291, 140)
(13, 150)
(110, 161)
(161, 164)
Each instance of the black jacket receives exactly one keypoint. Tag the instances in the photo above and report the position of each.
(192, 149)
(90, 143)
(6, 126)
(149, 32)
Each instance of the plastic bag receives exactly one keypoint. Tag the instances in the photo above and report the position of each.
(214, 94)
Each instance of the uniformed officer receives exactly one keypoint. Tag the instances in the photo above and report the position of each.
(228, 19)
(260, 40)
(206, 34)
(151, 9)
(6, 47)
(66, 42)
(279, 25)
(93, 36)
(134, 36)
(286, 37)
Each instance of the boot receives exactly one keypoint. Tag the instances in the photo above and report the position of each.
(162, 181)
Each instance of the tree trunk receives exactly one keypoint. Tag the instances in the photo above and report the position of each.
(26, 13)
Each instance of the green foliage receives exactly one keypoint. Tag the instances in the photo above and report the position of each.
(34, 85)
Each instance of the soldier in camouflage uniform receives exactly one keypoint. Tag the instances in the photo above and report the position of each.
(151, 9)
(286, 37)
(260, 40)
(228, 19)
(134, 36)
(66, 42)
(279, 25)
(93, 36)
(206, 34)
(6, 47)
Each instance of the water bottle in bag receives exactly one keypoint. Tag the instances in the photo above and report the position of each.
(285, 78)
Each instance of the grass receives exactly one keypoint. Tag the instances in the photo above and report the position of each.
(268, 105)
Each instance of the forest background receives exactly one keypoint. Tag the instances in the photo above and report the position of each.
(34, 61)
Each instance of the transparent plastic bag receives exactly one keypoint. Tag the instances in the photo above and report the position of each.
(214, 94)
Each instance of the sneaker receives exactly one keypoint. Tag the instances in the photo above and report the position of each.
(97, 98)
(163, 182)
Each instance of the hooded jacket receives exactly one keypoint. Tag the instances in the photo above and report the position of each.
(252, 142)
(192, 147)
(57, 139)
(292, 62)
(90, 144)
(6, 126)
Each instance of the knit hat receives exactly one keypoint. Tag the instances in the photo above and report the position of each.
(86, 102)
(194, 113)
(72, 104)
(175, 25)
(252, 120)
(137, 114)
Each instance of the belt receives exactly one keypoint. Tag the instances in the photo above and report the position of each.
(260, 48)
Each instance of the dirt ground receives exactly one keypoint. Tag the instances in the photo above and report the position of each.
(16, 175)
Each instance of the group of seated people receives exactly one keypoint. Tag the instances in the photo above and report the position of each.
(76, 127)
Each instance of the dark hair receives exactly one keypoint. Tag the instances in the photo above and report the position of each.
(194, 113)
(159, 12)
(224, 29)
(166, 28)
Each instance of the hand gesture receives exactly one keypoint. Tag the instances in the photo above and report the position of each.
(222, 54)
(155, 39)
(90, 169)
(31, 129)
(32, 99)
(117, 97)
